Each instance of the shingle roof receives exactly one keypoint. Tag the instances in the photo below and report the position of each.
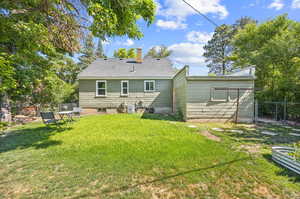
(128, 68)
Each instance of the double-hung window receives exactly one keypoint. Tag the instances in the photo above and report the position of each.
(101, 88)
(124, 88)
(149, 85)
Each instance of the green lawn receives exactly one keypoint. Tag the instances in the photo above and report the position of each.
(130, 156)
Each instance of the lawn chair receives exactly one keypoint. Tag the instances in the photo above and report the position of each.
(49, 118)
(76, 111)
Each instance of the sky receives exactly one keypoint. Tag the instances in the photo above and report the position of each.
(185, 32)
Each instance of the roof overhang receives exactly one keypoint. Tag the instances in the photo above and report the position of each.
(124, 77)
(221, 78)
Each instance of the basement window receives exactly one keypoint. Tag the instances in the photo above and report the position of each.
(101, 88)
(124, 88)
(149, 85)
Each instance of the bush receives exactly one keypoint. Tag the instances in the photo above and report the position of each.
(3, 126)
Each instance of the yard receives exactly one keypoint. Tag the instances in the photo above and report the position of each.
(134, 156)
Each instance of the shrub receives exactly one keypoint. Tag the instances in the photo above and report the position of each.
(3, 126)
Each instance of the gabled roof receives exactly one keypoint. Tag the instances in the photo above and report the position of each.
(115, 68)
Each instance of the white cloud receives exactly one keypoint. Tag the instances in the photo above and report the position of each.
(187, 53)
(173, 25)
(199, 37)
(276, 4)
(128, 42)
(180, 10)
(296, 4)
(158, 7)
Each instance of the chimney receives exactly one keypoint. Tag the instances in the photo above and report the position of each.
(139, 58)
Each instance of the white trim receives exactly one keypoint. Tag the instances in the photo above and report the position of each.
(122, 94)
(146, 81)
(101, 88)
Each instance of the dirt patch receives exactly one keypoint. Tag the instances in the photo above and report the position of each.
(210, 136)
(264, 191)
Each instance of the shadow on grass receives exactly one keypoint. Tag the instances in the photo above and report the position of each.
(295, 178)
(30, 137)
(255, 136)
(126, 187)
(155, 116)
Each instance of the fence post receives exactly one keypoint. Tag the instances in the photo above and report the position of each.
(284, 109)
(237, 105)
(276, 111)
(256, 111)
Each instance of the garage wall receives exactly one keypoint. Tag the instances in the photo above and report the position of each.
(180, 90)
(200, 105)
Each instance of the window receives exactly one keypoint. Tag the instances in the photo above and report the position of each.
(228, 94)
(101, 88)
(219, 94)
(149, 85)
(124, 88)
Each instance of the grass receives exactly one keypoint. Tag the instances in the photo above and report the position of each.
(134, 156)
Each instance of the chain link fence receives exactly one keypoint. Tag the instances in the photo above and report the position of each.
(278, 111)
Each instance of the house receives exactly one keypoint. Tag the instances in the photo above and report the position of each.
(153, 84)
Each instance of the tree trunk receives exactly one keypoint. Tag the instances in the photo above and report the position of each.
(5, 114)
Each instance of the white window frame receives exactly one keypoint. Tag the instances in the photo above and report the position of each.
(124, 94)
(97, 81)
(145, 82)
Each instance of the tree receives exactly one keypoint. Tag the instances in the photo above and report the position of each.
(99, 50)
(151, 53)
(159, 52)
(66, 69)
(34, 33)
(131, 53)
(218, 50)
(273, 47)
(6, 76)
(120, 53)
(242, 22)
(88, 52)
(50, 90)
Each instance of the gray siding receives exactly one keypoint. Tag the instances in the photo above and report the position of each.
(200, 106)
(180, 90)
(160, 99)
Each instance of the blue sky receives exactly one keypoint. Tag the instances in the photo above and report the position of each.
(185, 33)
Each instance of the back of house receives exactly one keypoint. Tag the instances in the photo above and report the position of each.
(154, 85)
(110, 84)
